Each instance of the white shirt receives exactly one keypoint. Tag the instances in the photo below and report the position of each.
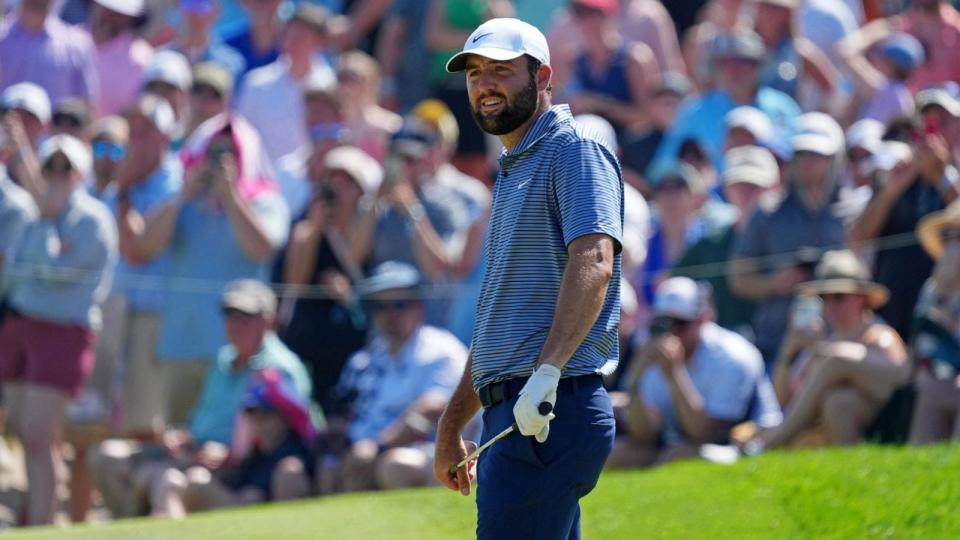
(273, 103)
(291, 172)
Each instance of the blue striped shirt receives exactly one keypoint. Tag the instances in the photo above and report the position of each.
(559, 183)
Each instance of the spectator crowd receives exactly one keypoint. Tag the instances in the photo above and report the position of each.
(241, 241)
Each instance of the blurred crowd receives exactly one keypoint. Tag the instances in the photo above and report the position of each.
(241, 241)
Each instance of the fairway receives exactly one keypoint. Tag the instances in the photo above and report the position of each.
(866, 492)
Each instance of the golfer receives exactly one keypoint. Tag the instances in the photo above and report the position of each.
(549, 306)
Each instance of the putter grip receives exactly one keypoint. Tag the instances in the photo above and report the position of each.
(544, 408)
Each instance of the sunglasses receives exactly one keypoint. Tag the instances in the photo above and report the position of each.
(205, 91)
(328, 132)
(103, 149)
(380, 306)
(835, 297)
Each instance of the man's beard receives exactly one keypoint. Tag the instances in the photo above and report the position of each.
(524, 104)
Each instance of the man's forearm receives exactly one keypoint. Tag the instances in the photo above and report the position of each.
(642, 426)
(689, 405)
(463, 404)
(870, 222)
(583, 290)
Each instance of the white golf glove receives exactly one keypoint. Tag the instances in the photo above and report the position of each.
(540, 387)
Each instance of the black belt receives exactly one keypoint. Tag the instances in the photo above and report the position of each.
(498, 392)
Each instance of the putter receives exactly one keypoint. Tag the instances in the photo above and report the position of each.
(544, 409)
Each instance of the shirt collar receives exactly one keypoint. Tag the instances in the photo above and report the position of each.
(547, 121)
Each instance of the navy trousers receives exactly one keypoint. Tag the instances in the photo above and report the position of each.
(531, 491)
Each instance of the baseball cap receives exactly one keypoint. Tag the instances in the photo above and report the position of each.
(249, 296)
(158, 111)
(111, 128)
(501, 40)
(751, 165)
(941, 97)
(904, 50)
(887, 156)
(674, 83)
(818, 133)
(215, 76)
(678, 297)
(73, 108)
(866, 134)
(414, 138)
(740, 43)
(29, 97)
(130, 8)
(271, 389)
(391, 275)
(677, 171)
(315, 16)
(363, 169)
(73, 148)
(436, 113)
(170, 67)
(751, 119)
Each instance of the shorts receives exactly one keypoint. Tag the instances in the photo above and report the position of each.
(45, 353)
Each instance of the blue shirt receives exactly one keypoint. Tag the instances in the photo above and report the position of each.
(703, 121)
(60, 270)
(204, 257)
(729, 374)
(142, 284)
(220, 401)
(16, 211)
(559, 183)
(242, 42)
(385, 385)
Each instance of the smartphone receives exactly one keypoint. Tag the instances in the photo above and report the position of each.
(807, 311)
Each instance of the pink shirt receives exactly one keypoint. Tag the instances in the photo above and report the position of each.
(941, 40)
(121, 63)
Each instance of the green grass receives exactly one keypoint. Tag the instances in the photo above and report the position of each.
(867, 492)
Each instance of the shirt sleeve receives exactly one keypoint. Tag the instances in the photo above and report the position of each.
(589, 192)
(274, 217)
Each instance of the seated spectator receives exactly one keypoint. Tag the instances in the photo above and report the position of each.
(833, 376)
(210, 93)
(270, 97)
(71, 116)
(259, 40)
(691, 384)
(936, 337)
(781, 242)
(198, 42)
(135, 478)
(59, 274)
(228, 223)
(370, 125)
(751, 176)
(122, 56)
(881, 79)
(37, 47)
(110, 136)
(278, 467)
(612, 77)
(325, 331)
(395, 390)
(169, 77)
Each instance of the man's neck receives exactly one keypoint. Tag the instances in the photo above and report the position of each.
(510, 140)
(298, 67)
(263, 33)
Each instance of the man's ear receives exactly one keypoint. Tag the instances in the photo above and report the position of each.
(544, 75)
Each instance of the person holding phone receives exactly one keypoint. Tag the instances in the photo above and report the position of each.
(691, 383)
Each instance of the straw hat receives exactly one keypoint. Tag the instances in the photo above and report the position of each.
(931, 228)
(840, 272)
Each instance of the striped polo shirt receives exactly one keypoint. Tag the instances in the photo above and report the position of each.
(559, 183)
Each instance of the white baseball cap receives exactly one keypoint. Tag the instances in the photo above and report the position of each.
(866, 134)
(170, 67)
(28, 97)
(502, 40)
(130, 8)
(363, 169)
(73, 148)
(751, 165)
(751, 119)
(678, 297)
(158, 111)
(818, 133)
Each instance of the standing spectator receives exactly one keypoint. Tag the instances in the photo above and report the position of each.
(71, 117)
(29, 104)
(751, 175)
(271, 97)
(109, 140)
(919, 187)
(259, 41)
(369, 124)
(826, 23)
(402, 53)
(60, 275)
(691, 384)
(325, 331)
(936, 340)
(747, 126)
(17, 210)
(936, 24)
(210, 93)
(228, 223)
(611, 76)
(771, 256)
(940, 109)
(197, 41)
(864, 141)
(36, 46)
(122, 56)
(169, 77)
(881, 81)
(397, 386)
(737, 59)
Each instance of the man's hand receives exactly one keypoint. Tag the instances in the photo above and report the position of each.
(540, 387)
(787, 279)
(668, 352)
(447, 453)
(55, 200)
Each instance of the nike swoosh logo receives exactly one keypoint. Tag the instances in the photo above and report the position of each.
(523, 184)
(481, 36)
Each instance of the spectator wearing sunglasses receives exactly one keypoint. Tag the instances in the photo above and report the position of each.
(691, 384)
(110, 136)
(394, 389)
(210, 93)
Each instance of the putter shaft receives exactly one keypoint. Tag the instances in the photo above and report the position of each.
(544, 408)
